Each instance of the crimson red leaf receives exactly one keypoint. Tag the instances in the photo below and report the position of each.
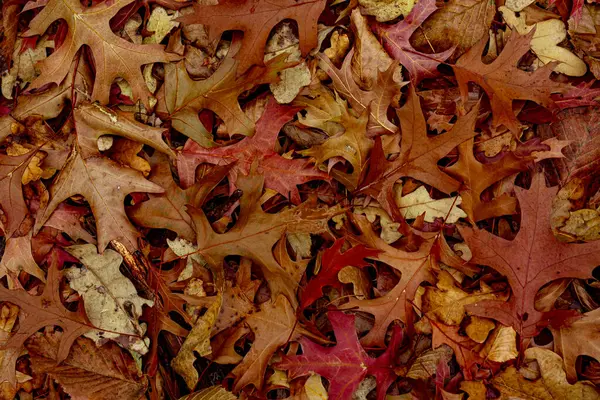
(333, 261)
(346, 364)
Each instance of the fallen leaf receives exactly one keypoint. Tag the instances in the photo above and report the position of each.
(110, 299)
(100, 373)
(115, 57)
(420, 202)
(544, 42)
(529, 261)
(256, 18)
(503, 82)
(346, 364)
(553, 383)
(396, 41)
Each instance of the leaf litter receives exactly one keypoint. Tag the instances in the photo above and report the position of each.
(301, 199)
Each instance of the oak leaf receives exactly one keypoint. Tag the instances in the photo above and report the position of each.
(446, 302)
(238, 299)
(67, 218)
(531, 260)
(353, 146)
(369, 58)
(420, 202)
(11, 192)
(114, 57)
(396, 41)
(281, 174)
(466, 351)
(93, 121)
(504, 82)
(577, 339)
(167, 210)
(375, 102)
(477, 177)
(197, 341)
(255, 233)
(418, 156)
(346, 364)
(182, 98)
(544, 42)
(99, 373)
(17, 257)
(104, 184)
(256, 18)
(38, 312)
(48, 103)
(273, 326)
(396, 304)
(332, 262)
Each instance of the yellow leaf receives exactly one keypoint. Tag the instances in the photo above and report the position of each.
(418, 202)
(198, 341)
(447, 302)
(551, 386)
(386, 10)
(314, 388)
(211, 393)
(502, 346)
(479, 328)
(548, 34)
(160, 23)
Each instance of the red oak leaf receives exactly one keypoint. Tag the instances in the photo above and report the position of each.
(333, 261)
(396, 41)
(578, 96)
(534, 258)
(281, 174)
(346, 364)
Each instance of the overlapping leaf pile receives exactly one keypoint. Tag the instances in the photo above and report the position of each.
(300, 199)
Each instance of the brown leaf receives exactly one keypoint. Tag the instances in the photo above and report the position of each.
(396, 304)
(167, 210)
(504, 82)
(114, 57)
(273, 326)
(375, 101)
(256, 232)
(256, 18)
(477, 177)
(552, 385)
(38, 312)
(103, 373)
(576, 339)
(182, 97)
(418, 157)
(458, 23)
(104, 184)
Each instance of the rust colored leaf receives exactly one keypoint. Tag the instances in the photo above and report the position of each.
(281, 174)
(114, 57)
(531, 260)
(99, 373)
(504, 82)
(256, 18)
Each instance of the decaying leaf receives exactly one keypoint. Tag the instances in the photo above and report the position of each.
(110, 299)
